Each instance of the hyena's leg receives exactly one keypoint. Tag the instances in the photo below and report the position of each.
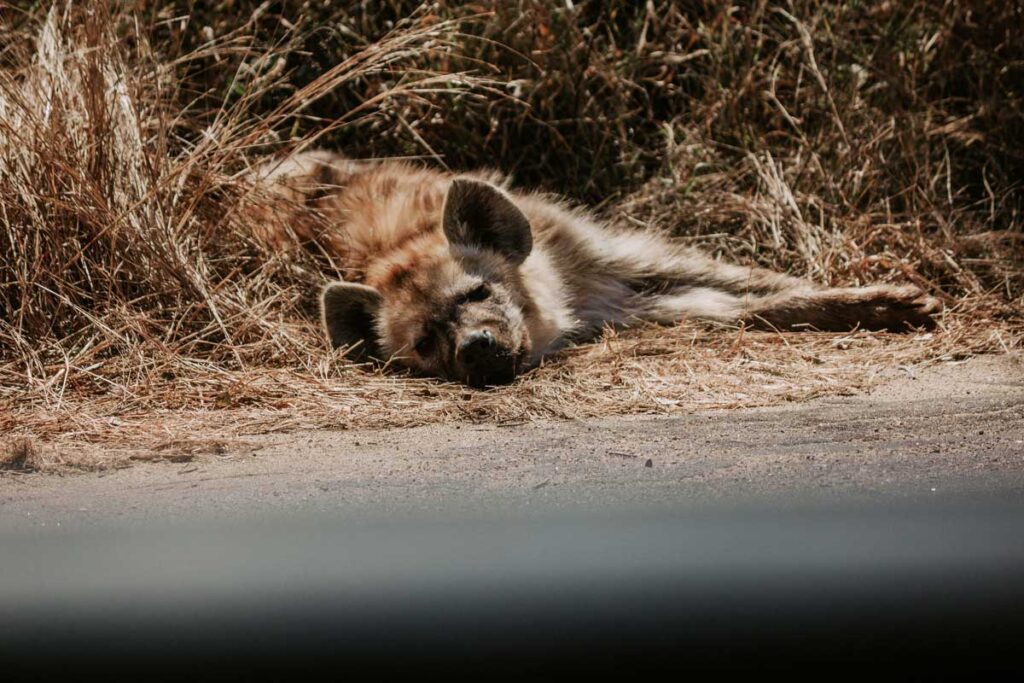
(881, 307)
(674, 281)
(687, 266)
(655, 264)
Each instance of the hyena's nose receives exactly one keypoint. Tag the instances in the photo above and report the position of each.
(478, 351)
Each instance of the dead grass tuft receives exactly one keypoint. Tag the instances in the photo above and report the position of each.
(20, 454)
(846, 142)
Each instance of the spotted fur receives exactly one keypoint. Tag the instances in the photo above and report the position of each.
(440, 265)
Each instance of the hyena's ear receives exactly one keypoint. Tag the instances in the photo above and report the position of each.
(478, 214)
(349, 312)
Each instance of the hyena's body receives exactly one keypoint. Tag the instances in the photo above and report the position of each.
(458, 276)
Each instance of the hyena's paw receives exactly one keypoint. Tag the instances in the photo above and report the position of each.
(900, 308)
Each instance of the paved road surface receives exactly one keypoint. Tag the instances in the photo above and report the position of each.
(953, 429)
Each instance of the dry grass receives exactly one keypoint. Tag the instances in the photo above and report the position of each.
(139, 313)
(654, 370)
(20, 454)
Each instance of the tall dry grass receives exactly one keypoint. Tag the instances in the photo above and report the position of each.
(127, 246)
(843, 141)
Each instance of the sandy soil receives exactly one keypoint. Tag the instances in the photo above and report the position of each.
(955, 427)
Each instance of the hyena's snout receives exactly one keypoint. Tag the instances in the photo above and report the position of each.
(484, 360)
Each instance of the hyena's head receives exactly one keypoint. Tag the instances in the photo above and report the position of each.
(453, 307)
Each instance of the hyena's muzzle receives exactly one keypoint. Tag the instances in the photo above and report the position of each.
(487, 337)
(482, 359)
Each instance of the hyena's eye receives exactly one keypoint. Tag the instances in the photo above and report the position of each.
(425, 345)
(479, 293)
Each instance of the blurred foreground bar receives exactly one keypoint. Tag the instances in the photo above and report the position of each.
(918, 589)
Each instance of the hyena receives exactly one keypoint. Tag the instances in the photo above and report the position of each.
(459, 276)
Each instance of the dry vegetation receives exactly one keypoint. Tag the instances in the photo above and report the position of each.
(845, 141)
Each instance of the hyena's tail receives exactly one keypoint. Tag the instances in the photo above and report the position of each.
(307, 175)
(286, 190)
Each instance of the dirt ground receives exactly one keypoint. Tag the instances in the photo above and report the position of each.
(952, 428)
